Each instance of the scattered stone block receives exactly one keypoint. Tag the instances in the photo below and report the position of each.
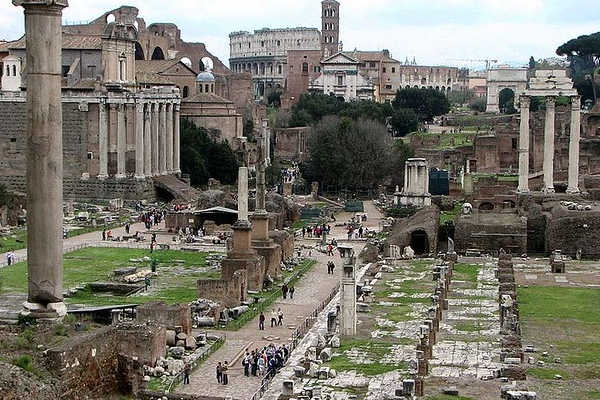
(450, 391)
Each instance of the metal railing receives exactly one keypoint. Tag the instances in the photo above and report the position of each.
(297, 336)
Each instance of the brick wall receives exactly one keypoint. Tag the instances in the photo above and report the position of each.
(166, 315)
(290, 143)
(229, 293)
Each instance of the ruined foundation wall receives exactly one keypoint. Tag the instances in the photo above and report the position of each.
(168, 316)
(229, 293)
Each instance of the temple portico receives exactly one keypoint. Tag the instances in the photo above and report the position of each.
(550, 84)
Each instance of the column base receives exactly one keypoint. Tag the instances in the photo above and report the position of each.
(140, 177)
(102, 177)
(523, 191)
(85, 176)
(573, 191)
(120, 176)
(549, 190)
(51, 312)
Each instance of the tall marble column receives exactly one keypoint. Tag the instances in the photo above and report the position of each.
(139, 141)
(243, 195)
(162, 136)
(147, 141)
(524, 146)
(154, 139)
(102, 141)
(121, 141)
(549, 146)
(169, 144)
(176, 140)
(573, 187)
(43, 34)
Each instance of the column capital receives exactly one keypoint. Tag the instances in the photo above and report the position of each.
(525, 101)
(550, 101)
(139, 107)
(51, 5)
(576, 103)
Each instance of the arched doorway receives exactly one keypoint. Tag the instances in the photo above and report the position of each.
(139, 52)
(158, 54)
(486, 206)
(419, 242)
(506, 101)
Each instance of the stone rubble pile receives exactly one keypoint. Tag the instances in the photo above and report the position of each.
(205, 312)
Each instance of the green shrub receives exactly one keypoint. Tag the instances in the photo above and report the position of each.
(25, 362)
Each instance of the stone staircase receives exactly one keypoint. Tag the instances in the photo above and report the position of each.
(176, 187)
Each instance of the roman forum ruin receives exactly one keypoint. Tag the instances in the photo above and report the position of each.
(307, 223)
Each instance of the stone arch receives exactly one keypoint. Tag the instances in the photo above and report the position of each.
(419, 242)
(139, 52)
(110, 18)
(186, 60)
(158, 54)
(506, 101)
(503, 78)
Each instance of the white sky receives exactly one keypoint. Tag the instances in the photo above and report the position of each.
(433, 31)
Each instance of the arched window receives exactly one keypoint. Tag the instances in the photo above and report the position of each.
(279, 69)
(14, 70)
(206, 88)
(158, 54)
(186, 91)
(8, 70)
(305, 68)
(212, 87)
(200, 88)
(139, 52)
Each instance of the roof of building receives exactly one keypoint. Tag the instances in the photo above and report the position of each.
(370, 56)
(70, 42)
(158, 66)
(206, 98)
(152, 78)
(205, 76)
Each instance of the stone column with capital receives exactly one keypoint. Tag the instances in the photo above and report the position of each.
(169, 141)
(121, 141)
(176, 139)
(102, 141)
(162, 139)
(524, 146)
(549, 145)
(139, 141)
(154, 114)
(43, 34)
(147, 141)
(573, 187)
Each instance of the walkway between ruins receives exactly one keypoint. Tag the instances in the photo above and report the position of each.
(311, 291)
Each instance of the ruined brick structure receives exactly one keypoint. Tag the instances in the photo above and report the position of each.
(168, 316)
(419, 231)
(91, 365)
(229, 291)
(291, 143)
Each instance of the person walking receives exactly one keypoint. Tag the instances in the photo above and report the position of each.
(103, 235)
(261, 321)
(332, 267)
(292, 290)
(273, 318)
(303, 232)
(186, 374)
(279, 317)
(219, 372)
(284, 290)
(254, 362)
(246, 364)
(225, 370)
(127, 228)
(10, 258)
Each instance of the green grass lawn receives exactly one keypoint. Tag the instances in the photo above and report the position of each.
(571, 320)
(175, 283)
(447, 397)
(8, 243)
(450, 216)
(373, 350)
(466, 272)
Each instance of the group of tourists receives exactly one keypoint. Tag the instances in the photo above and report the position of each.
(223, 373)
(276, 319)
(330, 268)
(316, 231)
(265, 362)
(152, 218)
(285, 289)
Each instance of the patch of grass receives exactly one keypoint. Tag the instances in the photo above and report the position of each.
(467, 272)
(549, 303)
(373, 350)
(97, 264)
(579, 352)
(421, 265)
(10, 243)
(25, 362)
(468, 326)
(450, 216)
(591, 395)
(547, 373)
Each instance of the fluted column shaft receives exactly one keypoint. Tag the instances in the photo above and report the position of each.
(121, 141)
(139, 141)
(154, 139)
(574, 139)
(549, 146)
(147, 141)
(176, 140)
(524, 146)
(102, 141)
(169, 141)
(162, 139)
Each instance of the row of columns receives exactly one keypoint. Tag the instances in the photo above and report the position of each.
(157, 138)
(575, 136)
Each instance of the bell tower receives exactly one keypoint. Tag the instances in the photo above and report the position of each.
(330, 29)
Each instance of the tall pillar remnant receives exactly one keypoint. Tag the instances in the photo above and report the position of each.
(139, 141)
(44, 158)
(176, 139)
(549, 145)
(348, 292)
(524, 146)
(573, 187)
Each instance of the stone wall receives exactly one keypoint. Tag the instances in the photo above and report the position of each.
(88, 366)
(285, 241)
(290, 143)
(149, 395)
(229, 293)
(491, 231)
(169, 316)
(569, 230)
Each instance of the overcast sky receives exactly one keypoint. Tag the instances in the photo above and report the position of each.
(433, 31)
